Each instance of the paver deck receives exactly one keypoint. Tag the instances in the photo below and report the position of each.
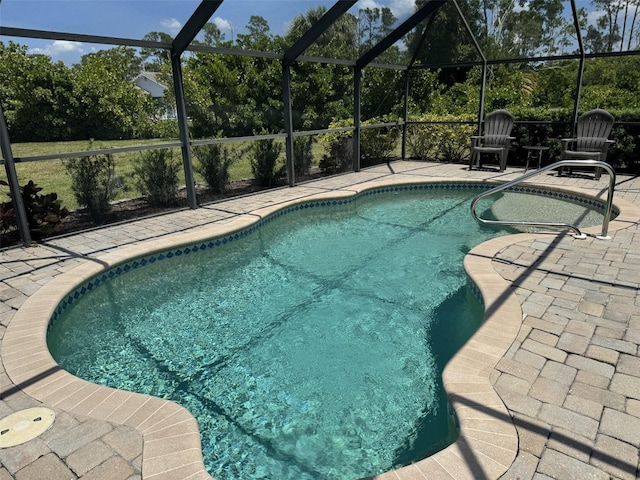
(548, 388)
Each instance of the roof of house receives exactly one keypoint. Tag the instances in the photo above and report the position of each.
(148, 81)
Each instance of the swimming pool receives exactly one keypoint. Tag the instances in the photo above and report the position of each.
(361, 332)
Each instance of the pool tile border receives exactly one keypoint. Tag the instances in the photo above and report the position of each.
(170, 431)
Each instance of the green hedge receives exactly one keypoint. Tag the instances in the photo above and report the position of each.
(447, 138)
(623, 155)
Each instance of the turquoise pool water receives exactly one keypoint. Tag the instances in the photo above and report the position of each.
(309, 348)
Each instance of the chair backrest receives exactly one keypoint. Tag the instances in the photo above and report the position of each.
(593, 129)
(497, 128)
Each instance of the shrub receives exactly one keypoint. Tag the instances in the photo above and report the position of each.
(422, 141)
(93, 183)
(7, 215)
(44, 212)
(265, 155)
(339, 158)
(447, 140)
(338, 146)
(165, 129)
(214, 163)
(547, 127)
(156, 174)
(455, 143)
(377, 144)
(303, 154)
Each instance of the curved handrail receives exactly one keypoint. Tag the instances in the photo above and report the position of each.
(561, 163)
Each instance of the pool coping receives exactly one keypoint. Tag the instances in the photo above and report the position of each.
(171, 436)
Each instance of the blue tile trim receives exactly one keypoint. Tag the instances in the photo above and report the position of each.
(475, 291)
(231, 237)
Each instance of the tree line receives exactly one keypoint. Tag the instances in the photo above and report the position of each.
(232, 95)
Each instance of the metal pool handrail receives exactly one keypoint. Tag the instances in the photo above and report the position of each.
(561, 163)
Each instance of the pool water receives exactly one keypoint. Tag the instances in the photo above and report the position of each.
(311, 349)
(525, 207)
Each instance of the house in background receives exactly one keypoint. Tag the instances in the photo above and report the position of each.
(148, 82)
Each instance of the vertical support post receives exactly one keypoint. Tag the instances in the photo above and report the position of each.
(288, 122)
(483, 90)
(357, 90)
(14, 187)
(576, 99)
(176, 67)
(405, 114)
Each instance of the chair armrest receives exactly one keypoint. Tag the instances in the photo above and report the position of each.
(567, 141)
(605, 150)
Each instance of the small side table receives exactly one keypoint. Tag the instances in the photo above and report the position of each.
(535, 152)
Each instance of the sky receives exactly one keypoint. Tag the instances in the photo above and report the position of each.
(135, 18)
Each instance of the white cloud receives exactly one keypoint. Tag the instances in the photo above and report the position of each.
(518, 8)
(593, 16)
(172, 25)
(223, 25)
(60, 48)
(401, 9)
(362, 4)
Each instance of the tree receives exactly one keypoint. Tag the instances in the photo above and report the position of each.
(447, 40)
(340, 40)
(633, 34)
(373, 25)
(110, 106)
(522, 28)
(320, 93)
(153, 59)
(556, 85)
(608, 22)
(235, 95)
(616, 27)
(259, 37)
(382, 93)
(211, 94)
(213, 36)
(36, 95)
(611, 83)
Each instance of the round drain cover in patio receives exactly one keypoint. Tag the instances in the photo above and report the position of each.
(25, 425)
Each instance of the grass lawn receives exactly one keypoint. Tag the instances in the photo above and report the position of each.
(52, 176)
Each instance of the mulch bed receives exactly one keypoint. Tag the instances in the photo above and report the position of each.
(133, 208)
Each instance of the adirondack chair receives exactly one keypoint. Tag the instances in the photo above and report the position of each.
(592, 139)
(496, 139)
